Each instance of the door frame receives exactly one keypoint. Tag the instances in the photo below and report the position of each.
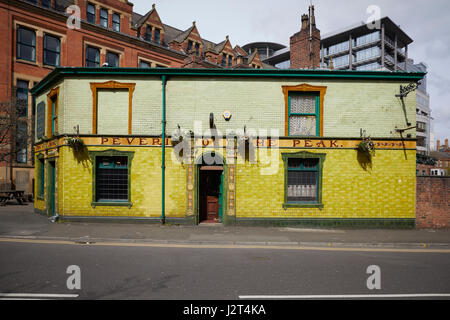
(198, 163)
(51, 187)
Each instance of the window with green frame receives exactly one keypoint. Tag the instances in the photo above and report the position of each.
(40, 188)
(304, 114)
(111, 178)
(54, 115)
(303, 179)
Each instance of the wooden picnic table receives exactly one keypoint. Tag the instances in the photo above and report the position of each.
(18, 195)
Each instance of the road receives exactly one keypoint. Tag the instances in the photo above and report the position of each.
(121, 271)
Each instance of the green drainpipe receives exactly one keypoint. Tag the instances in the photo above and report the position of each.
(163, 161)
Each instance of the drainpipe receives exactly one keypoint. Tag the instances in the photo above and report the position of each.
(163, 161)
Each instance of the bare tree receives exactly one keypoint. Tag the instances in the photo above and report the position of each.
(16, 130)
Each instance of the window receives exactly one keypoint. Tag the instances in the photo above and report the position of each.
(303, 114)
(22, 98)
(224, 60)
(197, 49)
(26, 44)
(189, 47)
(148, 34)
(47, 3)
(157, 36)
(230, 63)
(111, 176)
(92, 57)
(116, 22)
(112, 59)
(52, 50)
(21, 141)
(144, 64)
(303, 179)
(90, 14)
(303, 110)
(41, 177)
(104, 18)
(52, 112)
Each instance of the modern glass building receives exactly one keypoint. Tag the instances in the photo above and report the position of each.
(358, 47)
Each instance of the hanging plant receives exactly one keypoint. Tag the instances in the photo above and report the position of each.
(367, 147)
(76, 143)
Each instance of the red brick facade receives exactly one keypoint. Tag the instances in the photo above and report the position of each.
(432, 202)
(305, 45)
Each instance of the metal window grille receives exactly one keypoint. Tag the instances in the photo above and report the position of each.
(112, 179)
(302, 180)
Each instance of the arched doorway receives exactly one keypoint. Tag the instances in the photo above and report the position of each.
(210, 190)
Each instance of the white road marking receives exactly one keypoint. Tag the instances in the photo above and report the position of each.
(347, 296)
(36, 296)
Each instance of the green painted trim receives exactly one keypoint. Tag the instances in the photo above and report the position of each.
(367, 223)
(110, 153)
(112, 219)
(61, 72)
(304, 155)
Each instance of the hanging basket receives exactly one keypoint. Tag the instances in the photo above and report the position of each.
(77, 144)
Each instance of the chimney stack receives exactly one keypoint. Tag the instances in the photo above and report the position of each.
(438, 145)
(305, 44)
(446, 144)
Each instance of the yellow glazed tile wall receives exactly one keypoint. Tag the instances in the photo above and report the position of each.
(348, 191)
(75, 189)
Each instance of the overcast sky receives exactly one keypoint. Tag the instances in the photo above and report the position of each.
(426, 22)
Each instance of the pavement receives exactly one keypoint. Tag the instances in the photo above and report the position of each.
(20, 222)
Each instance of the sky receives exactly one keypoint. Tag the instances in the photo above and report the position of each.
(245, 21)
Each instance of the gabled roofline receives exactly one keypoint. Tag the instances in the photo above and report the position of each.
(65, 72)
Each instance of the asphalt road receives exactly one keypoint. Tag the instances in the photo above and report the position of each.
(196, 273)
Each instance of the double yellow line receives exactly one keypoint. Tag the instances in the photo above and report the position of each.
(220, 246)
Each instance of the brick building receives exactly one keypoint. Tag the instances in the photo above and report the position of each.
(242, 147)
(39, 35)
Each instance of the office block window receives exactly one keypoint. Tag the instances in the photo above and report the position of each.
(22, 98)
(26, 44)
(104, 18)
(303, 114)
(116, 22)
(92, 57)
(52, 50)
(21, 141)
(112, 59)
(90, 13)
(144, 64)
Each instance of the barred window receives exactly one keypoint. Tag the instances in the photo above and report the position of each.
(112, 179)
(303, 114)
(302, 180)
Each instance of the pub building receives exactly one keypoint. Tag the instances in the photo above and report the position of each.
(238, 147)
